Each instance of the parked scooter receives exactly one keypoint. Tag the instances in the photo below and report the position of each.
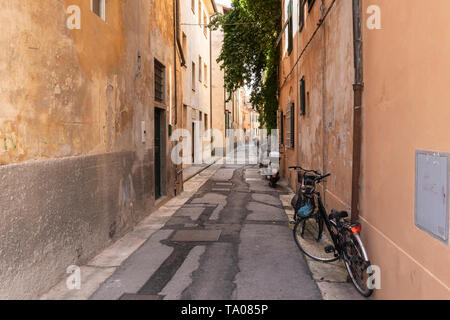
(274, 168)
(270, 167)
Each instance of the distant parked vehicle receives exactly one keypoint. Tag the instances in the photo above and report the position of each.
(269, 162)
(274, 168)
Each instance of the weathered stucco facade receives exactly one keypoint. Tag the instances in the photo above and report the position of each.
(405, 109)
(218, 88)
(77, 169)
(197, 97)
(323, 58)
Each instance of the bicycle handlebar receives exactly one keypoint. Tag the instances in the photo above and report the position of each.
(305, 170)
(319, 177)
(322, 177)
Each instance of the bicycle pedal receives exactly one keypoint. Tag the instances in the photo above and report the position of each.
(329, 249)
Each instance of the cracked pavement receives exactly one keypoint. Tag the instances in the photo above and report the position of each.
(228, 238)
(229, 241)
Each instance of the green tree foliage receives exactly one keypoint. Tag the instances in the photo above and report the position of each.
(249, 54)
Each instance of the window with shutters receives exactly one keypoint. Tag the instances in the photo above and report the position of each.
(301, 15)
(302, 97)
(290, 29)
(160, 79)
(281, 127)
(290, 125)
(287, 136)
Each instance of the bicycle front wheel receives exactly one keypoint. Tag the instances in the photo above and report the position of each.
(357, 264)
(312, 237)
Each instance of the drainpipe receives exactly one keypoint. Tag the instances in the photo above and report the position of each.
(358, 88)
(178, 177)
(211, 78)
(210, 87)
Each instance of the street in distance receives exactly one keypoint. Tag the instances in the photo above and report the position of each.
(229, 310)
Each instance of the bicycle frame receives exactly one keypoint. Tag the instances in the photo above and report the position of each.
(324, 217)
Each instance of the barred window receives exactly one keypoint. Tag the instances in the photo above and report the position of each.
(160, 80)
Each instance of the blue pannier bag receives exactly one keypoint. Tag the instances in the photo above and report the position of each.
(306, 210)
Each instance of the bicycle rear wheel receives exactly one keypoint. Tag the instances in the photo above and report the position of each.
(357, 264)
(312, 237)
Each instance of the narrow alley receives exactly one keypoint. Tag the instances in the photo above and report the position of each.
(224, 150)
(229, 241)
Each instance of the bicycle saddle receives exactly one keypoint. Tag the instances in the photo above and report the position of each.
(338, 214)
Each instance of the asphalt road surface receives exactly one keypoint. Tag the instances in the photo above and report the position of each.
(230, 241)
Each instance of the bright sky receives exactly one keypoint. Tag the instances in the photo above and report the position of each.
(224, 2)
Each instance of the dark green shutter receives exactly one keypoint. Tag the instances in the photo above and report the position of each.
(292, 133)
(302, 97)
(291, 29)
(310, 4)
(288, 126)
(302, 15)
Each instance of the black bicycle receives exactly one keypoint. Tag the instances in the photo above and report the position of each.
(328, 238)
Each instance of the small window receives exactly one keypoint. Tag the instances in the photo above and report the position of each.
(310, 4)
(280, 125)
(290, 29)
(193, 76)
(160, 80)
(206, 74)
(290, 125)
(99, 8)
(193, 6)
(227, 123)
(302, 97)
(184, 42)
(200, 69)
(200, 13)
(206, 122)
(205, 25)
(302, 15)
